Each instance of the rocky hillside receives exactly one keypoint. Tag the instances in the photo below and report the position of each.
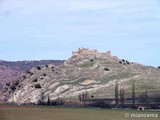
(86, 70)
(8, 74)
(9, 71)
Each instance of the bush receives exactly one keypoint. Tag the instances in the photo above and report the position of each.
(20, 85)
(37, 86)
(127, 62)
(24, 76)
(91, 60)
(29, 72)
(52, 67)
(7, 83)
(123, 60)
(13, 87)
(44, 74)
(35, 80)
(38, 68)
(46, 66)
(106, 69)
(17, 82)
(92, 96)
(120, 62)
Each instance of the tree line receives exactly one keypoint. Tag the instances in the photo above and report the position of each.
(26, 65)
(143, 99)
(120, 101)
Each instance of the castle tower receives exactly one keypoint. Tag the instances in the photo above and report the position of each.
(109, 53)
(74, 53)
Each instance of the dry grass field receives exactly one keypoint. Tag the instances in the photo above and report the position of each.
(8, 112)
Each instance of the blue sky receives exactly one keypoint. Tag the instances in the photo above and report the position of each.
(52, 29)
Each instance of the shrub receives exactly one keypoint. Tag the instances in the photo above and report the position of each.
(35, 80)
(92, 96)
(52, 67)
(127, 62)
(17, 82)
(106, 69)
(91, 60)
(38, 68)
(44, 74)
(28, 71)
(20, 85)
(13, 87)
(46, 66)
(123, 60)
(120, 62)
(7, 83)
(37, 86)
(24, 76)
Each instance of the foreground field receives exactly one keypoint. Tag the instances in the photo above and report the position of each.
(55, 113)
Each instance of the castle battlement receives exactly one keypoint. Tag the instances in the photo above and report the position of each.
(85, 51)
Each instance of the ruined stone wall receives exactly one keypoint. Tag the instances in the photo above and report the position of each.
(74, 53)
(82, 51)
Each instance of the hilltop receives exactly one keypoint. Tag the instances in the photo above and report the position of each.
(86, 70)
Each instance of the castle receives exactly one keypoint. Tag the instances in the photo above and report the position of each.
(86, 51)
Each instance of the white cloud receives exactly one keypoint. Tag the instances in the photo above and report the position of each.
(91, 5)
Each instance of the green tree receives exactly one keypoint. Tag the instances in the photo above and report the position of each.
(133, 95)
(143, 98)
(121, 95)
(83, 96)
(48, 101)
(116, 94)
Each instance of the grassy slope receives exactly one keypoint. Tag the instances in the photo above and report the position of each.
(55, 113)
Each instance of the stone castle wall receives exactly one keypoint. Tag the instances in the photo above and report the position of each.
(82, 51)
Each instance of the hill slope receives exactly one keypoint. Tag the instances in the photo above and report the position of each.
(86, 70)
(8, 74)
(10, 70)
(26, 65)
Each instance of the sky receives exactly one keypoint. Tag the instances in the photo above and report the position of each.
(52, 29)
